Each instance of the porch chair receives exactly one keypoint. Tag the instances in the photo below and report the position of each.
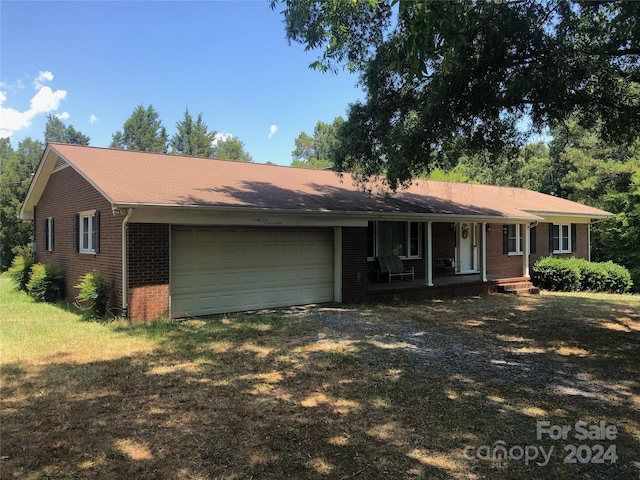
(392, 266)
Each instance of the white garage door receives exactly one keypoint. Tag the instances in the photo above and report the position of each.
(218, 270)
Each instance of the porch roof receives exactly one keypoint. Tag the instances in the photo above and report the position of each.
(128, 179)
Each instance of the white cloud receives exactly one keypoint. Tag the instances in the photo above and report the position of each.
(93, 118)
(272, 130)
(63, 115)
(44, 101)
(42, 78)
(221, 136)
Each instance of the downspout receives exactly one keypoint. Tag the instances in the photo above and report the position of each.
(125, 301)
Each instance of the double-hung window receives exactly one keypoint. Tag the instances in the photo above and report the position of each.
(394, 238)
(515, 237)
(89, 231)
(561, 238)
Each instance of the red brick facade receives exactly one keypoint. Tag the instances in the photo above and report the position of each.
(65, 195)
(354, 264)
(148, 270)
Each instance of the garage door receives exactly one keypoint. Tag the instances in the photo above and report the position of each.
(218, 270)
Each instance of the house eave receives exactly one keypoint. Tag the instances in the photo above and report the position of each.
(594, 216)
(145, 211)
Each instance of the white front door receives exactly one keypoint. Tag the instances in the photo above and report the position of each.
(467, 248)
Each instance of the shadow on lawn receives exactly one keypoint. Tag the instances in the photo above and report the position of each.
(384, 392)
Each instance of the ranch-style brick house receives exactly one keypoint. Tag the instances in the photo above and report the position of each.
(183, 236)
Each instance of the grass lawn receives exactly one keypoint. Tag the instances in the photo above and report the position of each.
(430, 390)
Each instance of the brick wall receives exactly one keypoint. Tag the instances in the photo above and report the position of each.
(502, 264)
(499, 263)
(354, 264)
(444, 240)
(148, 270)
(65, 195)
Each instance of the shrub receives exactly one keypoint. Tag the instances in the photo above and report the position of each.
(46, 283)
(94, 294)
(20, 270)
(557, 274)
(635, 279)
(575, 274)
(618, 278)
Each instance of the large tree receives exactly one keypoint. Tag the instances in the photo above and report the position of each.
(57, 131)
(193, 138)
(317, 151)
(16, 171)
(437, 71)
(143, 131)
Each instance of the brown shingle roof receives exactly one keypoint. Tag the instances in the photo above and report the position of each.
(140, 178)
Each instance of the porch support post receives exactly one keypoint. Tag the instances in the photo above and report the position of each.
(525, 251)
(428, 268)
(337, 264)
(483, 252)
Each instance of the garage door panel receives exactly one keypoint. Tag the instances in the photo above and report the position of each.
(217, 270)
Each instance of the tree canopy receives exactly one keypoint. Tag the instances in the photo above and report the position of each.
(317, 151)
(231, 148)
(489, 73)
(193, 138)
(57, 131)
(142, 131)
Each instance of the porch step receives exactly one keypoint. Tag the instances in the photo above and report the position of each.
(521, 287)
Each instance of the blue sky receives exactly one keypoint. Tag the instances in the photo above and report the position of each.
(93, 62)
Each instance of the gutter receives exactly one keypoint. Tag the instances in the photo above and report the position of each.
(125, 301)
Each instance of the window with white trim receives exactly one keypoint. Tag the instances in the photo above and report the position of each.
(394, 238)
(515, 239)
(48, 234)
(561, 238)
(89, 231)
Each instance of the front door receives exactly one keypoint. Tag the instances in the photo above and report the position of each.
(467, 248)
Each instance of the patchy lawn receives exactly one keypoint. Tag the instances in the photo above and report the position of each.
(426, 390)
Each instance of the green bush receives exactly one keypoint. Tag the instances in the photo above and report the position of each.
(94, 294)
(618, 278)
(20, 270)
(635, 279)
(576, 274)
(46, 283)
(550, 273)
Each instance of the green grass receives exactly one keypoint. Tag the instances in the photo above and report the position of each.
(371, 391)
(33, 332)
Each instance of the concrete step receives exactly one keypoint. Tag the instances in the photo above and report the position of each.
(518, 288)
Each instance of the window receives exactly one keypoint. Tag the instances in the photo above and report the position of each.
(515, 239)
(394, 238)
(561, 238)
(89, 223)
(48, 234)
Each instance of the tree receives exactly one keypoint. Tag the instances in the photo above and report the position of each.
(231, 148)
(193, 139)
(317, 151)
(143, 131)
(16, 172)
(57, 131)
(435, 71)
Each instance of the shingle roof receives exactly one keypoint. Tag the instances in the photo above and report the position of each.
(140, 178)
